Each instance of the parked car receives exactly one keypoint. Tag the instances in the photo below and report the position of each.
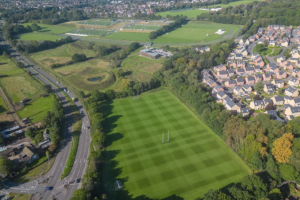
(49, 188)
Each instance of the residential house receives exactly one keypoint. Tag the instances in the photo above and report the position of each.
(220, 68)
(257, 69)
(252, 38)
(257, 105)
(221, 95)
(296, 72)
(244, 53)
(267, 101)
(230, 105)
(230, 83)
(250, 80)
(293, 60)
(295, 54)
(231, 72)
(242, 42)
(245, 111)
(247, 88)
(218, 88)
(267, 77)
(281, 74)
(207, 48)
(279, 83)
(272, 43)
(281, 58)
(205, 79)
(238, 91)
(287, 99)
(241, 64)
(258, 77)
(223, 74)
(231, 64)
(240, 72)
(295, 102)
(288, 66)
(199, 49)
(239, 57)
(272, 113)
(291, 91)
(240, 81)
(269, 88)
(292, 112)
(29, 155)
(249, 70)
(285, 42)
(211, 83)
(293, 82)
(278, 100)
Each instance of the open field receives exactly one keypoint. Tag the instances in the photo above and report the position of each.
(188, 13)
(96, 32)
(55, 29)
(61, 54)
(194, 161)
(7, 67)
(143, 27)
(21, 86)
(191, 34)
(97, 23)
(140, 37)
(37, 36)
(235, 3)
(3, 107)
(37, 110)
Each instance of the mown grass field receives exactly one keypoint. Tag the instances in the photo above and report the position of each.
(188, 13)
(143, 27)
(97, 22)
(194, 161)
(38, 37)
(37, 110)
(96, 32)
(139, 37)
(8, 68)
(55, 29)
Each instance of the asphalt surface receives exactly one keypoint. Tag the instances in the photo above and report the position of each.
(52, 178)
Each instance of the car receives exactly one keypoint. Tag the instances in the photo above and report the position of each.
(49, 188)
(78, 180)
(21, 145)
(88, 127)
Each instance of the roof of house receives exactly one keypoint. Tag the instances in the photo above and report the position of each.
(246, 86)
(240, 80)
(267, 101)
(217, 87)
(241, 70)
(279, 98)
(221, 93)
(150, 52)
(278, 81)
(28, 151)
(249, 69)
(295, 109)
(237, 88)
(229, 102)
(272, 112)
(293, 79)
(269, 86)
(231, 71)
(231, 81)
(250, 78)
(210, 82)
(291, 89)
(297, 100)
(258, 102)
(245, 110)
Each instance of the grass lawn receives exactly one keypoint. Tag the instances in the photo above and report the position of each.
(7, 67)
(37, 110)
(188, 13)
(97, 22)
(21, 86)
(55, 29)
(95, 32)
(3, 107)
(140, 37)
(235, 3)
(190, 34)
(194, 161)
(38, 36)
(18, 196)
(135, 26)
(269, 51)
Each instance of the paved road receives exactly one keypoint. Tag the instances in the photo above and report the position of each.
(53, 176)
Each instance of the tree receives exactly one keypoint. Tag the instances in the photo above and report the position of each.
(81, 94)
(120, 72)
(270, 106)
(280, 91)
(78, 57)
(5, 165)
(266, 43)
(29, 133)
(284, 36)
(275, 194)
(35, 27)
(259, 86)
(282, 148)
(81, 194)
(216, 195)
(47, 89)
(288, 172)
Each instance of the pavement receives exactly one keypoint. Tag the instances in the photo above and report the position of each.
(52, 178)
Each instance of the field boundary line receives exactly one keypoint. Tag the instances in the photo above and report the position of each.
(10, 107)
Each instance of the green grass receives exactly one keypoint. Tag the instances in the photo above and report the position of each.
(3, 107)
(7, 67)
(37, 110)
(188, 13)
(55, 29)
(191, 34)
(96, 32)
(140, 37)
(38, 36)
(235, 3)
(18, 196)
(97, 22)
(194, 161)
(143, 27)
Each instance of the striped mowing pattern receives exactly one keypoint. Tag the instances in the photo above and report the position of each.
(194, 161)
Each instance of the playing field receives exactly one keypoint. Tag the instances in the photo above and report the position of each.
(139, 37)
(55, 29)
(194, 161)
(98, 23)
(37, 36)
(96, 32)
(188, 13)
(143, 27)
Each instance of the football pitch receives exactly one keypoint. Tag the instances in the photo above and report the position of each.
(194, 161)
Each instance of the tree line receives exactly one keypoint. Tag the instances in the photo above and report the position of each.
(11, 30)
(167, 28)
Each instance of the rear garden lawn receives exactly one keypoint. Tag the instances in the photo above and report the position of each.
(37, 110)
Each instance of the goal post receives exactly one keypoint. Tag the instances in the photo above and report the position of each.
(163, 137)
(118, 185)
